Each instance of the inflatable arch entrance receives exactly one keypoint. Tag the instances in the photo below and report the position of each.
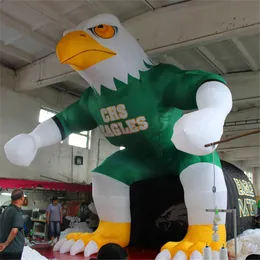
(156, 220)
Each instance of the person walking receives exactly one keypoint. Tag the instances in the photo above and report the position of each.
(12, 228)
(54, 219)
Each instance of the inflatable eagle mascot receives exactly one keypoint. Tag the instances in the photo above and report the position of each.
(138, 104)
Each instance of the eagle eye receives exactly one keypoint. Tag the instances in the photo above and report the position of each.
(104, 31)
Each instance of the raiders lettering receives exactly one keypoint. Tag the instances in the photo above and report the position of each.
(119, 112)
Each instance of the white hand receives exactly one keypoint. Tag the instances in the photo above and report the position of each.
(196, 129)
(21, 150)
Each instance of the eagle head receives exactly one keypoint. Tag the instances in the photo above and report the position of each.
(101, 50)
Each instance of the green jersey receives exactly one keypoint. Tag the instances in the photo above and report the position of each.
(140, 114)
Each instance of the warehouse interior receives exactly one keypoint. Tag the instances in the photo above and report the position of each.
(222, 37)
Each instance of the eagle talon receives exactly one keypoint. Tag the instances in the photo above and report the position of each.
(164, 255)
(91, 248)
(182, 250)
(193, 244)
(90, 243)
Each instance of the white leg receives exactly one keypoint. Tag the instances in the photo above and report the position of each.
(112, 202)
(111, 199)
(197, 182)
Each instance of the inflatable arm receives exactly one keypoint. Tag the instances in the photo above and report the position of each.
(194, 130)
(216, 95)
(22, 149)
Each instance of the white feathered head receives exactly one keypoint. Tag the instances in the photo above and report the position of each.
(101, 50)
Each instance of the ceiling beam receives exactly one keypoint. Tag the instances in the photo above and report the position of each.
(253, 162)
(26, 31)
(240, 129)
(244, 153)
(149, 4)
(248, 58)
(7, 77)
(50, 13)
(240, 148)
(245, 103)
(244, 85)
(161, 30)
(255, 100)
(42, 73)
(152, 29)
(170, 60)
(202, 50)
(243, 115)
(79, 81)
(98, 7)
(246, 141)
(17, 53)
(251, 101)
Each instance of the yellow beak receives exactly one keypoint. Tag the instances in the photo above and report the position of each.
(81, 51)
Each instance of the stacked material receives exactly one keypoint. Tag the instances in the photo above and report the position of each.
(248, 243)
(78, 227)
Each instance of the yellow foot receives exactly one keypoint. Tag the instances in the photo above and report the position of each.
(193, 244)
(90, 243)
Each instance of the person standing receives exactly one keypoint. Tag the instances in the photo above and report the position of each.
(12, 228)
(54, 219)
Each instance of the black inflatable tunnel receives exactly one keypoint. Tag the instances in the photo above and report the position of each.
(159, 213)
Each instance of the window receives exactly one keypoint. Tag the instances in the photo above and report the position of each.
(81, 140)
(89, 140)
(45, 115)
